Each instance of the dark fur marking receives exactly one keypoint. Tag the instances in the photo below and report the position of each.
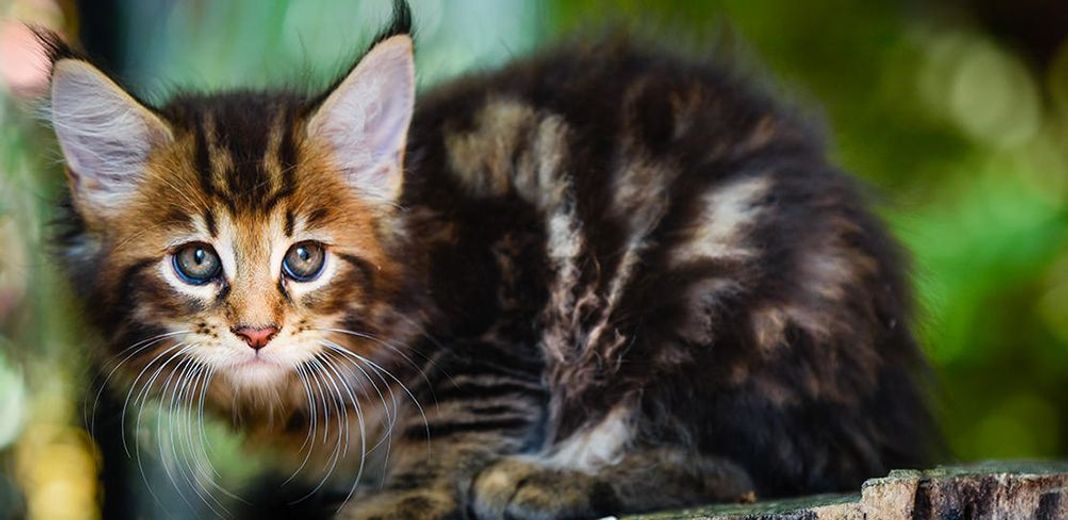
(366, 270)
(445, 429)
(209, 221)
(484, 390)
(287, 154)
(290, 220)
(202, 157)
(178, 218)
(1048, 506)
(317, 216)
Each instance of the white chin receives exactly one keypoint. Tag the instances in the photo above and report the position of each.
(258, 373)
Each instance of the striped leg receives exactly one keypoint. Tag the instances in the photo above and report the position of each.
(483, 404)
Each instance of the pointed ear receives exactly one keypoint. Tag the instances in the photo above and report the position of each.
(364, 121)
(105, 135)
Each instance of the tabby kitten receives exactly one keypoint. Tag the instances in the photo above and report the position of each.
(599, 280)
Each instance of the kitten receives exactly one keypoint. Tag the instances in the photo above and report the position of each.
(600, 280)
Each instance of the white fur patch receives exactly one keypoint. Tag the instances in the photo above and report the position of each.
(830, 271)
(597, 446)
(729, 211)
(483, 159)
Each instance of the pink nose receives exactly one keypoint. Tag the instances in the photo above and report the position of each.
(256, 337)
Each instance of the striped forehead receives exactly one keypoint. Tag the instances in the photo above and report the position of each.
(245, 150)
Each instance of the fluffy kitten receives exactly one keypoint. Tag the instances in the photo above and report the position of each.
(615, 280)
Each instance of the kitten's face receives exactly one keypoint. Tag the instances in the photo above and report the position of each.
(256, 275)
(248, 233)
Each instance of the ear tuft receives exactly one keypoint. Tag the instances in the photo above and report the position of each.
(54, 46)
(364, 120)
(105, 134)
(400, 24)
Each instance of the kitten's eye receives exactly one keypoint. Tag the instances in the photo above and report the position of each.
(197, 263)
(304, 261)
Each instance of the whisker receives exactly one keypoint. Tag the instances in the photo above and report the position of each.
(173, 414)
(363, 436)
(165, 462)
(391, 419)
(338, 402)
(139, 403)
(421, 370)
(320, 384)
(335, 456)
(328, 382)
(180, 347)
(201, 478)
(204, 446)
(133, 386)
(312, 412)
(337, 348)
(139, 346)
(190, 461)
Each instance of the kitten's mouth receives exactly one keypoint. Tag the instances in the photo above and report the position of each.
(257, 371)
(256, 363)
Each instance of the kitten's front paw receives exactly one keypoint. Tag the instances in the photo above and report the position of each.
(422, 504)
(519, 489)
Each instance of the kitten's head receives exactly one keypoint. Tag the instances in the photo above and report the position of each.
(248, 232)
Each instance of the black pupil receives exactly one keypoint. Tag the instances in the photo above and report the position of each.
(200, 255)
(303, 253)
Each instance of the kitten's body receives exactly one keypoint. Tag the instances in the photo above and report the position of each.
(615, 281)
(655, 227)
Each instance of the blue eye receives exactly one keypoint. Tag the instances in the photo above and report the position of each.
(197, 263)
(304, 261)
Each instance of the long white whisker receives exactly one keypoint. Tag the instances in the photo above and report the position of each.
(204, 445)
(363, 435)
(420, 370)
(161, 415)
(194, 379)
(179, 347)
(309, 438)
(339, 402)
(337, 446)
(415, 401)
(430, 362)
(202, 479)
(139, 346)
(133, 386)
(391, 419)
(174, 414)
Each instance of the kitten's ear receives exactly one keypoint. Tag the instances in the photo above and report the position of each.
(105, 134)
(364, 120)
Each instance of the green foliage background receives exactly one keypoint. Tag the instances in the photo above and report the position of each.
(964, 134)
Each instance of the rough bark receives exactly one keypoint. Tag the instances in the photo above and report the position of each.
(995, 490)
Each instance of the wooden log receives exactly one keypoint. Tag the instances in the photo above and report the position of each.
(988, 490)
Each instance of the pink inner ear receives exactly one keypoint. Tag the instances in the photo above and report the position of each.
(105, 134)
(365, 120)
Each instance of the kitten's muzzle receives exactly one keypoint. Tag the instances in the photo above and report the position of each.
(256, 337)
